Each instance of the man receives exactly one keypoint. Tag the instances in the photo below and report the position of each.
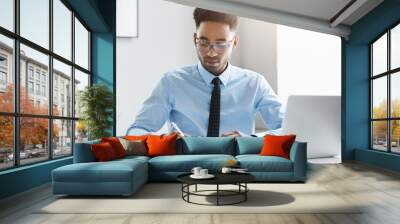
(213, 97)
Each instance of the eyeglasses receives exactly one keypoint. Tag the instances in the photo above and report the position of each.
(218, 46)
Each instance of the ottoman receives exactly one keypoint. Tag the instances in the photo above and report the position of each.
(118, 177)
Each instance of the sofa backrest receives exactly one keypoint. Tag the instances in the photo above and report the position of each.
(249, 145)
(206, 145)
(83, 152)
(191, 146)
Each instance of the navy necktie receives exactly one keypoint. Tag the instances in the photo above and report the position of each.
(213, 119)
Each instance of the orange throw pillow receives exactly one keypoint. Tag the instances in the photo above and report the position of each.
(116, 145)
(136, 137)
(161, 145)
(275, 145)
(103, 152)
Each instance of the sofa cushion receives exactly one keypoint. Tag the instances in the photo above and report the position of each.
(111, 171)
(248, 145)
(257, 163)
(185, 163)
(83, 152)
(206, 145)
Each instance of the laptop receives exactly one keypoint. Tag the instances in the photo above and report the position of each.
(317, 121)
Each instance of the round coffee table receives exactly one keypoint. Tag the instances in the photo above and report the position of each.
(238, 179)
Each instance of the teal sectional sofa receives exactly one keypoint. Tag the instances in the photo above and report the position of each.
(125, 176)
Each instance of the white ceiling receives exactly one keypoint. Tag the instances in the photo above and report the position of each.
(320, 9)
(315, 15)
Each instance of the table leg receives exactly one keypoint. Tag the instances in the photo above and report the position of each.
(188, 190)
(245, 193)
(196, 188)
(217, 194)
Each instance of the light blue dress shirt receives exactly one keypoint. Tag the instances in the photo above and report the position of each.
(183, 96)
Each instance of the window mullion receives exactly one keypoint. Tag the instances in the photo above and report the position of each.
(389, 106)
(16, 83)
(50, 81)
(73, 82)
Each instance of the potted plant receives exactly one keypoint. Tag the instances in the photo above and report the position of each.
(96, 102)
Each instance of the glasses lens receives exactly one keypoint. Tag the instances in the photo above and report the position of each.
(205, 46)
(221, 47)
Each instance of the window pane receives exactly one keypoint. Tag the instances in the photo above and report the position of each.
(62, 138)
(379, 55)
(33, 140)
(395, 136)
(62, 89)
(62, 29)
(81, 81)
(81, 131)
(395, 94)
(34, 81)
(7, 14)
(379, 135)
(35, 21)
(6, 74)
(379, 100)
(81, 45)
(6, 142)
(395, 47)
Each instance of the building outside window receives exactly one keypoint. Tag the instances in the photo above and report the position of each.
(3, 61)
(30, 87)
(37, 75)
(30, 72)
(3, 78)
(38, 89)
(44, 77)
(3, 72)
(43, 90)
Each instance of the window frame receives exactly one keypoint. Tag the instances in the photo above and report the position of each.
(388, 74)
(16, 114)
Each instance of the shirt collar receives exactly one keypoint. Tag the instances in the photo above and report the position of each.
(208, 76)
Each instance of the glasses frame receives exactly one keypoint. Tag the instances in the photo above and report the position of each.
(224, 45)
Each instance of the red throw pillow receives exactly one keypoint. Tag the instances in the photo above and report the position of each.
(275, 145)
(116, 145)
(103, 151)
(161, 145)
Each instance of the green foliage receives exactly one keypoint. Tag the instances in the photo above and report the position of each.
(97, 104)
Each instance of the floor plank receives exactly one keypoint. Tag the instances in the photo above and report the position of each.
(377, 189)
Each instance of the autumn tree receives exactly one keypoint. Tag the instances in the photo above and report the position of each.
(380, 127)
(33, 131)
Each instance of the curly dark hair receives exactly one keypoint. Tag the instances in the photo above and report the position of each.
(201, 15)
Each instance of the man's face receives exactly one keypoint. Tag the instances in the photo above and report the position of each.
(214, 43)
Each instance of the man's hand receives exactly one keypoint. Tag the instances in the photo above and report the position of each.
(234, 133)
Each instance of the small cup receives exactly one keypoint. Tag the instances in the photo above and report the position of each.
(196, 170)
(203, 172)
(226, 170)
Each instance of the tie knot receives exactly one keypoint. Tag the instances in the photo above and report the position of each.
(216, 81)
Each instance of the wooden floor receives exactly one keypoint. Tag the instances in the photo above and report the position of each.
(377, 188)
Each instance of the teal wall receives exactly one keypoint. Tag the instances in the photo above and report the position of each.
(24, 178)
(356, 82)
(99, 16)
